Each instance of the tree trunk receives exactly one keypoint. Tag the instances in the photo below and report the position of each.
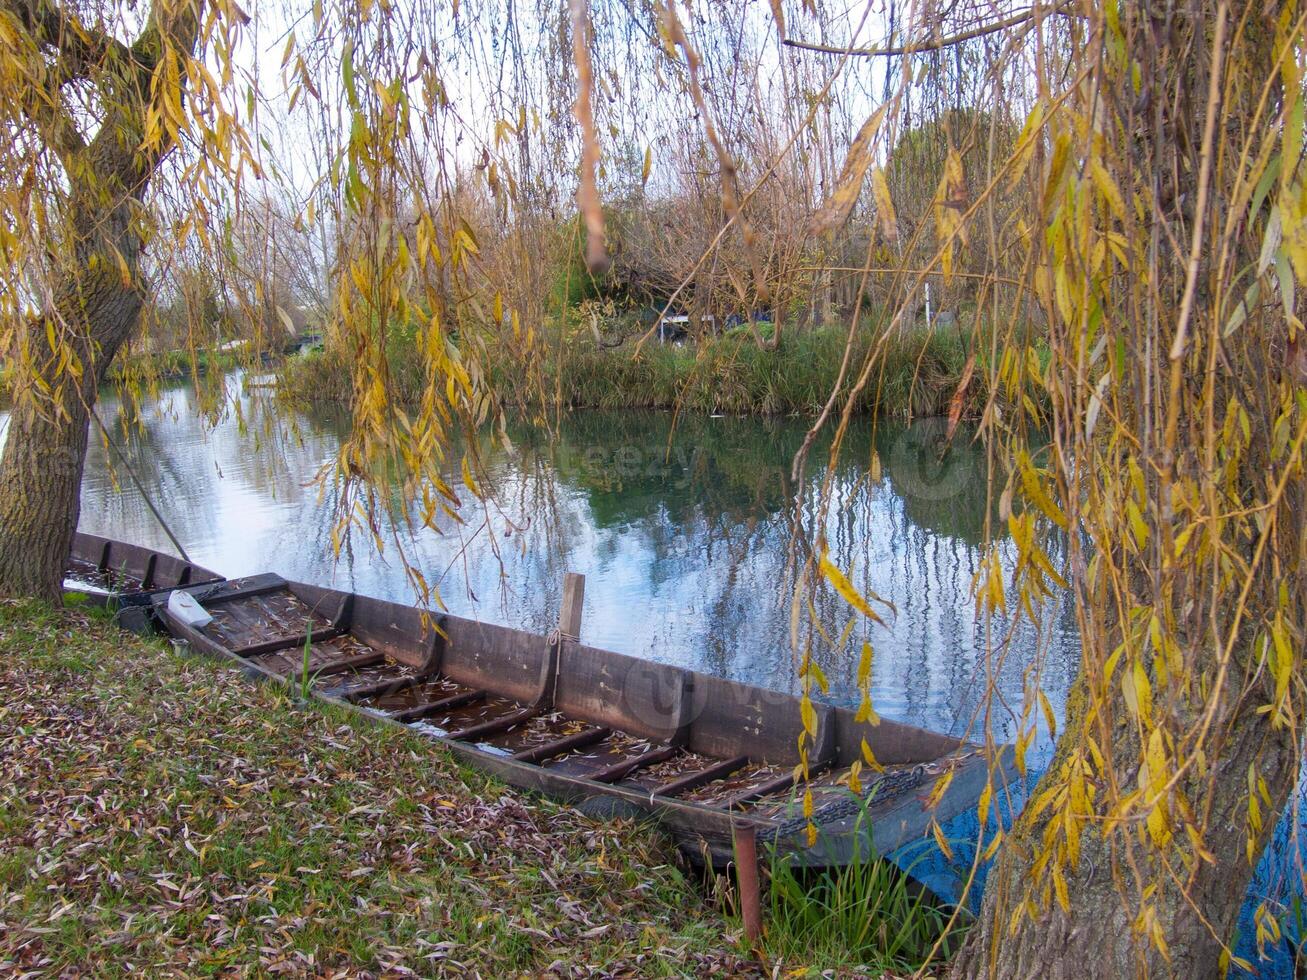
(40, 480)
(1157, 882)
(41, 468)
(1100, 937)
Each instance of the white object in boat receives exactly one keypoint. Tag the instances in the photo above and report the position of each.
(184, 607)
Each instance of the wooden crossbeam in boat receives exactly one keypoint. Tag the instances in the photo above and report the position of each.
(453, 701)
(394, 685)
(701, 777)
(282, 643)
(147, 579)
(578, 740)
(621, 770)
(494, 725)
(777, 785)
(254, 585)
(369, 659)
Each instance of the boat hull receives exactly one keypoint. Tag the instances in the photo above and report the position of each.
(702, 756)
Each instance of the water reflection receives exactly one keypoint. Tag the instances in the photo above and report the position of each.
(683, 531)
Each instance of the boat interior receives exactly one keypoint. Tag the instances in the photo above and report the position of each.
(573, 710)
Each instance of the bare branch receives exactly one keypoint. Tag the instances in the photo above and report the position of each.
(1015, 20)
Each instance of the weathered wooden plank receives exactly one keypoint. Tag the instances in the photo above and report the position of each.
(777, 784)
(392, 686)
(285, 642)
(444, 704)
(568, 743)
(702, 777)
(630, 695)
(350, 663)
(233, 590)
(893, 743)
(482, 655)
(569, 615)
(620, 770)
(493, 726)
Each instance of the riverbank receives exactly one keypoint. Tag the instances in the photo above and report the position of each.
(161, 815)
(732, 374)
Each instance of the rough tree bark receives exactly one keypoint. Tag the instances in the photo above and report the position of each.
(98, 289)
(1099, 939)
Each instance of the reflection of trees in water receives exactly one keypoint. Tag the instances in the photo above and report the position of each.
(683, 532)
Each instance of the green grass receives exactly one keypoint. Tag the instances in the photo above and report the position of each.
(866, 914)
(161, 816)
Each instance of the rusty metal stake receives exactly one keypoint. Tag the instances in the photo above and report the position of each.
(746, 876)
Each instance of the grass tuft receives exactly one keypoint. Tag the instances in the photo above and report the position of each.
(867, 915)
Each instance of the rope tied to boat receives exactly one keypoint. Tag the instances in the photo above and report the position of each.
(556, 638)
(140, 488)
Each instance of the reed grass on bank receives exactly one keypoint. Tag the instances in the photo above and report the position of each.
(917, 376)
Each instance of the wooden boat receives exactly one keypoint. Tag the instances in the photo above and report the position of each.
(704, 755)
(111, 572)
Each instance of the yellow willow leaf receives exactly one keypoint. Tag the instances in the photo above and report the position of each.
(809, 716)
(864, 666)
(1182, 539)
(1037, 495)
(885, 217)
(855, 777)
(986, 797)
(994, 585)
(866, 713)
(1138, 691)
(1106, 185)
(1293, 208)
(819, 676)
(845, 588)
(1060, 889)
(1048, 713)
(940, 788)
(941, 841)
(837, 207)
(468, 481)
(1019, 750)
(870, 757)
(648, 165)
(1026, 142)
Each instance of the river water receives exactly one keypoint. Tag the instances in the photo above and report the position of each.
(683, 528)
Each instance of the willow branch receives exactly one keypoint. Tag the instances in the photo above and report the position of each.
(1015, 20)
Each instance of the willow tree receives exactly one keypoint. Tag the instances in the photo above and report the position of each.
(1158, 242)
(135, 139)
(87, 118)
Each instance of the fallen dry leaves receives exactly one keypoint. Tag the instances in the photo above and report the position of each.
(159, 815)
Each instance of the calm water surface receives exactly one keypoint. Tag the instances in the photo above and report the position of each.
(683, 537)
(683, 533)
